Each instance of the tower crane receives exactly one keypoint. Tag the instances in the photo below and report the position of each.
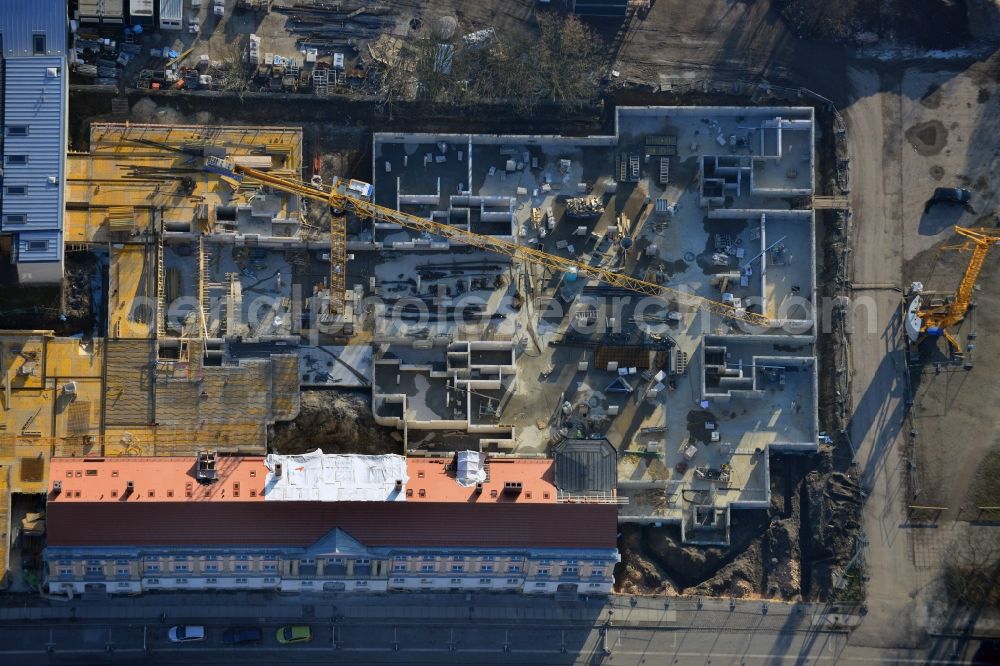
(355, 196)
(936, 320)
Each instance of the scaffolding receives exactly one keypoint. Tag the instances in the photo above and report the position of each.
(160, 294)
(321, 82)
(338, 264)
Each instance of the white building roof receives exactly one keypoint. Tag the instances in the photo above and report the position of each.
(320, 477)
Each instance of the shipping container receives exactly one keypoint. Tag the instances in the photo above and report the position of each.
(102, 11)
(171, 14)
(141, 12)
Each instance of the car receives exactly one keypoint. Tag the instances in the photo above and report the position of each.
(294, 634)
(185, 633)
(242, 635)
(956, 195)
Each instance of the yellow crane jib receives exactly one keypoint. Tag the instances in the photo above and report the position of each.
(937, 320)
(356, 196)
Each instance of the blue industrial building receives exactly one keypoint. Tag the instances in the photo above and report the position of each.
(33, 108)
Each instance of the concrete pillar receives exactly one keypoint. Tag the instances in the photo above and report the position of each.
(350, 568)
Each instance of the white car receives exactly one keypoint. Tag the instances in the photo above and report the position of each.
(186, 633)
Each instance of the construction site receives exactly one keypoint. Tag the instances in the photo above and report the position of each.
(651, 307)
(508, 295)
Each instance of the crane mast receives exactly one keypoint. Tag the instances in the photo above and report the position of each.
(939, 319)
(354, 196)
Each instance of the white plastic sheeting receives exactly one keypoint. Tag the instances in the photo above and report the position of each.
(471, 468)
(316, 476)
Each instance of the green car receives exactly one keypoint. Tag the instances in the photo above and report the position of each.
(295, 634)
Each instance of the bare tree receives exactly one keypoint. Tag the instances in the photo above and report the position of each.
(232, 72)
(972, 569)
(568, 58)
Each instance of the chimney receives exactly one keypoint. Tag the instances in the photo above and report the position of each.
(479, 488)
(56, 488)
(399, 485)
(129, 488)
(277, 470)
(512, 487)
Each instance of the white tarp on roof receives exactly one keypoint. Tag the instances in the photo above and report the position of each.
(471, 468)
(319, 477)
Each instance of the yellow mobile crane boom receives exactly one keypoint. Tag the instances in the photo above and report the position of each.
(937, 320)
(354, 195)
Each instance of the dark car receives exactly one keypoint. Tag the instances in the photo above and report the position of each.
(242, 635)
(955, 195)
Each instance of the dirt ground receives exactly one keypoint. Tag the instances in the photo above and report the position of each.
(65, 309)
(788, 552)
(957, 442)
(337, 422)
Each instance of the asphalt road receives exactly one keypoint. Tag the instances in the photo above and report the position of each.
(418, 643)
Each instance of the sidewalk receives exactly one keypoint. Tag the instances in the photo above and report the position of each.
(717, 614)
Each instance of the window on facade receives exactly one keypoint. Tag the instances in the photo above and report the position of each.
(398, 580)
(539, 584)
(512, 581)
(597, 572)
(486, 568)
(211, 581)
(485, 581)
(570, 571)
(399, 567)
(269, 567)
(269, 580)
(17, 130)
(488, 558)
(514, 568)
(361, 583)
(15, 218)
(183, 568)
(244, 558)
(16, 159)
(123, 584)
(362, 562)
(152, 568)
(181, 581)
(456, 581)
(211, 568)
(542, 572)
(39, 44)
(123, 571)
(243, 581)
(38, 246)
(123, 562)
(16, 190)
(458, 558)
(305, 583)
(428, 558)
(544, 562)
(65, 571)
(308, 560)
(458, 568)
(152, 581)
(595, 585)
(241, 567)
(427, 568)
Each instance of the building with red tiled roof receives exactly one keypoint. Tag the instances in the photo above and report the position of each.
(177, 529)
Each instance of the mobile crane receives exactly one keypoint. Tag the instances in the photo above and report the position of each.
(937, 319)
(355, 196)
